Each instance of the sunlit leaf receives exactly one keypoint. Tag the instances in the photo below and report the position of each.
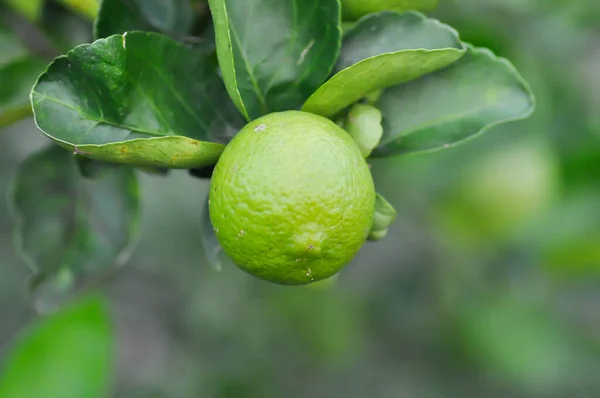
(384, 50)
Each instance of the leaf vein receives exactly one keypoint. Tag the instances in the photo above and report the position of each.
(89, 117)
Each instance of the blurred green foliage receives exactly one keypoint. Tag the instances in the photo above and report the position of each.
(67, 355)
(486, 285)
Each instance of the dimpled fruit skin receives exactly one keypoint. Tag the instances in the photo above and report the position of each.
(291, 199)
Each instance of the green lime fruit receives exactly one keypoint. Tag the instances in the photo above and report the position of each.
(291, 199)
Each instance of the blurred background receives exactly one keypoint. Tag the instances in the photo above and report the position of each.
(486, 285)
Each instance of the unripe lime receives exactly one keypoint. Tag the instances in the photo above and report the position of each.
(292, 198)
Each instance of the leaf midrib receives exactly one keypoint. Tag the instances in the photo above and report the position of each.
(255, 87)
(100, 120)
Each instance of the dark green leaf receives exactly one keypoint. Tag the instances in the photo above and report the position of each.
(173, 17)
(138, 98)
(384, 50)
(275, 53)
(71, 230)
(70, 354)
(449, 106)
(354, 9)
(364, 125)
(18, 71)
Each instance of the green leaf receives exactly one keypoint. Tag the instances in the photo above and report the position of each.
(354, 9)
(384, 50)
(173, 17)
(69, 354)
(71, 230)
(442, 109)
(364, 125)
(384, 216)
(138, 98)
(18, 71)
(274, 53)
